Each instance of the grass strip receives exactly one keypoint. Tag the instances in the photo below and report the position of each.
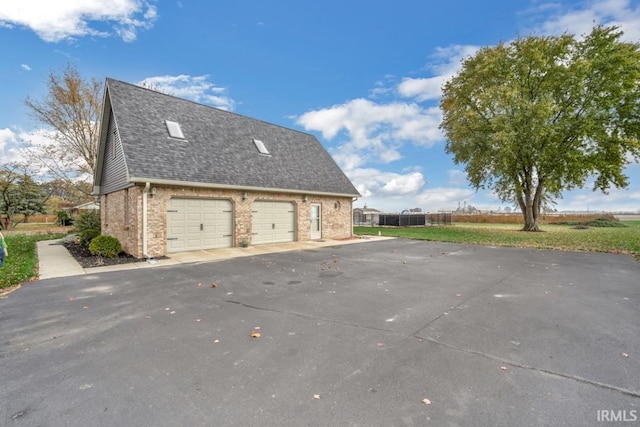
(22, 263)
(621, 240)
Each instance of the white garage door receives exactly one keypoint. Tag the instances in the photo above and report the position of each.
(273, 222)
(194, 224)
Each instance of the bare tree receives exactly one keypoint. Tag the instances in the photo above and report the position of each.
(71, 109)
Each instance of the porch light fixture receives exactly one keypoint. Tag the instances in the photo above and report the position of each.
(244, 196)
(305, 198)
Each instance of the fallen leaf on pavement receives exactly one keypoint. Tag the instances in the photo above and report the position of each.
(316, 396)
(216, 341)
(255, 334)
(504, 368)
(625, 355)
(426, 401)
(214, 285)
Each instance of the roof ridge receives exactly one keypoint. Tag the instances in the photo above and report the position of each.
(208, 106)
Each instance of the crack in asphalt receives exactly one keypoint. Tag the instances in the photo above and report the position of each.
(463, 302)
(324, 319)
(534, 368)
(419, 338)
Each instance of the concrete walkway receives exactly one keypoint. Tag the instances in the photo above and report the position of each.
(54, 259)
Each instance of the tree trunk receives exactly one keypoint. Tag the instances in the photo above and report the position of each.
(530, 218)
(530, 207)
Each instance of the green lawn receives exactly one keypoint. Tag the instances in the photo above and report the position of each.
(624, 240)
(22, 263)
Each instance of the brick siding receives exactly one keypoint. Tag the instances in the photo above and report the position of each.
(121, 215)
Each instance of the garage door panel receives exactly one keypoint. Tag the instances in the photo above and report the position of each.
(197, 224)
(273, 222)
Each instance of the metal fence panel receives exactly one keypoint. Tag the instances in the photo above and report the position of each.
(396, 220)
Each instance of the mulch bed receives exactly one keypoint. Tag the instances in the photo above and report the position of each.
(87, 260)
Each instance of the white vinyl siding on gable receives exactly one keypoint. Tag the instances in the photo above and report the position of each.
(114, 172)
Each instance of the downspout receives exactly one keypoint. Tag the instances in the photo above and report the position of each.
(145, 195)
(353, 200)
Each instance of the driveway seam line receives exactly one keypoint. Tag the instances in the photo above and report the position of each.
(452, 347)
(533, 368)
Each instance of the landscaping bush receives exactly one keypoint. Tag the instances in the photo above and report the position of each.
(63, 217)
(605, 222)
(106, 246)
(87, 226)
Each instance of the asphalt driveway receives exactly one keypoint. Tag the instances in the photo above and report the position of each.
(353, 335)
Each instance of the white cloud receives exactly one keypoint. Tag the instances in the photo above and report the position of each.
(457, 177)
(580, 19)
(444, 64)
(372, 182)
(25, 67)
(374, 132)
(195, 88)
(54, 21)
(404, 184)
(13, 143)
(7, 138)
(444, 198)
(616, 200)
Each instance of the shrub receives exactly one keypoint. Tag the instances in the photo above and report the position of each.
(106, 246)
(606, 222)
(87, 226)
(63, 217)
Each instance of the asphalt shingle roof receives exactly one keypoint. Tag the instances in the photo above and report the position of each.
(218, 147)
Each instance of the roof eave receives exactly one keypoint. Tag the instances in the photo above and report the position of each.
(142, 180)
(104, 128)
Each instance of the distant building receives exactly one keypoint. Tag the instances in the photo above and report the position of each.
(77, 210)
(366, 216)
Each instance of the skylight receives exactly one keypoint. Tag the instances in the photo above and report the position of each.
(262, 149)
(174, 129)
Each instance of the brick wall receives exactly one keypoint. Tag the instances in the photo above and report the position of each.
(122, 215)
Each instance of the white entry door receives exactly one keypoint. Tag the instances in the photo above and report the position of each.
(316, 221)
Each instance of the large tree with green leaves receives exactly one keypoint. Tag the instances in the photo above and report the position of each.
(20, 194)
(542, 115)
(71, 109)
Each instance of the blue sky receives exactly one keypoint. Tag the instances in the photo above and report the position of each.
(363, 76)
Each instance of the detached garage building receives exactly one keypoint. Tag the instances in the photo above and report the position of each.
(174, 175)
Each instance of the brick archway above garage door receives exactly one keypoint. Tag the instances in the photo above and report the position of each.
(273, 222)
(197, 224)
